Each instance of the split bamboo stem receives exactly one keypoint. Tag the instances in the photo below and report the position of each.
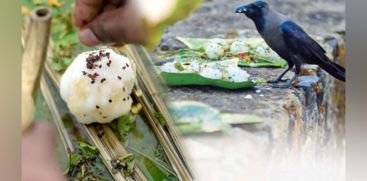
(33, 59)
(150, 83)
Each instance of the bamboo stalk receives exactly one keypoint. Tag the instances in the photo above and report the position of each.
(33, 60)
(65, 138)
(150, 84)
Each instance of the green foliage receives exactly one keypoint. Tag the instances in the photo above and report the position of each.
(160, 118)
(124, 164)
(196, 117)
(85, 164)
(141, 141)
(125, 124)
(179, 66)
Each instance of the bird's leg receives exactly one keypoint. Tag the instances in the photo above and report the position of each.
(289, 83)
(290, 66)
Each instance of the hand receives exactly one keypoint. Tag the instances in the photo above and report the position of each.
(108, 22)
(39, 154)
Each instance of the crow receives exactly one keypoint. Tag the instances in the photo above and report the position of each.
(289, 41)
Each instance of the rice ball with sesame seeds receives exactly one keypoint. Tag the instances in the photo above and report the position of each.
(97, 86)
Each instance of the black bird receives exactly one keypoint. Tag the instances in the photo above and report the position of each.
(289, 41)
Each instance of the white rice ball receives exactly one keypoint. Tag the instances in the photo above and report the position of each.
(235, 74)
(238, 47)
(266, 52)
(97, 86)
(224, 43)
(214, 51)
(169, 67)
(192, 68)
(211, 73)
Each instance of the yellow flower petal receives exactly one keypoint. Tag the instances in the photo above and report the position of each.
(24, 10)
(55, 3)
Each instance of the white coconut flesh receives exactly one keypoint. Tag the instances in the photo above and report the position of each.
(97, 86)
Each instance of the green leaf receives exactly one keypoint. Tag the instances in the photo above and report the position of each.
(88, 150)
(160, 118)
(75, 158)
(196, 117)
(232, 119)
(182, 79)
(179, 66)
(128, 163)
(142, 142)
(125, 124)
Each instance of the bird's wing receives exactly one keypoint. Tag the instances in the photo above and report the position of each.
(300, 43)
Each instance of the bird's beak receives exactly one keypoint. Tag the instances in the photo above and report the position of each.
(241, 10)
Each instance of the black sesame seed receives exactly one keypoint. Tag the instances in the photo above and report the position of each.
(128, 98)
(92, 82)
(100, 66)
(123, 89)
(102, 80)
(124, 99)
(104, 117)
(97, 106)
(119, 77)
(124, 67)
(84, 72)
(110, 100)
(127, 64)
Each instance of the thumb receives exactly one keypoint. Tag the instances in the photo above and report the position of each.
(113, 27)
(39, 154)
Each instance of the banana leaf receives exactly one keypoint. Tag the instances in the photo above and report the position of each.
(197, 117)
(182, 79)
(199, 44)
(149, 155)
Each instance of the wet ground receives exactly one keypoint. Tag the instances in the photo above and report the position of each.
(298, 119)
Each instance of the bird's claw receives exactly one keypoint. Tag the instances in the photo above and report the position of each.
(277, 80)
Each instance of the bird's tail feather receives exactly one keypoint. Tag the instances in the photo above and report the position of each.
(333, 69)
